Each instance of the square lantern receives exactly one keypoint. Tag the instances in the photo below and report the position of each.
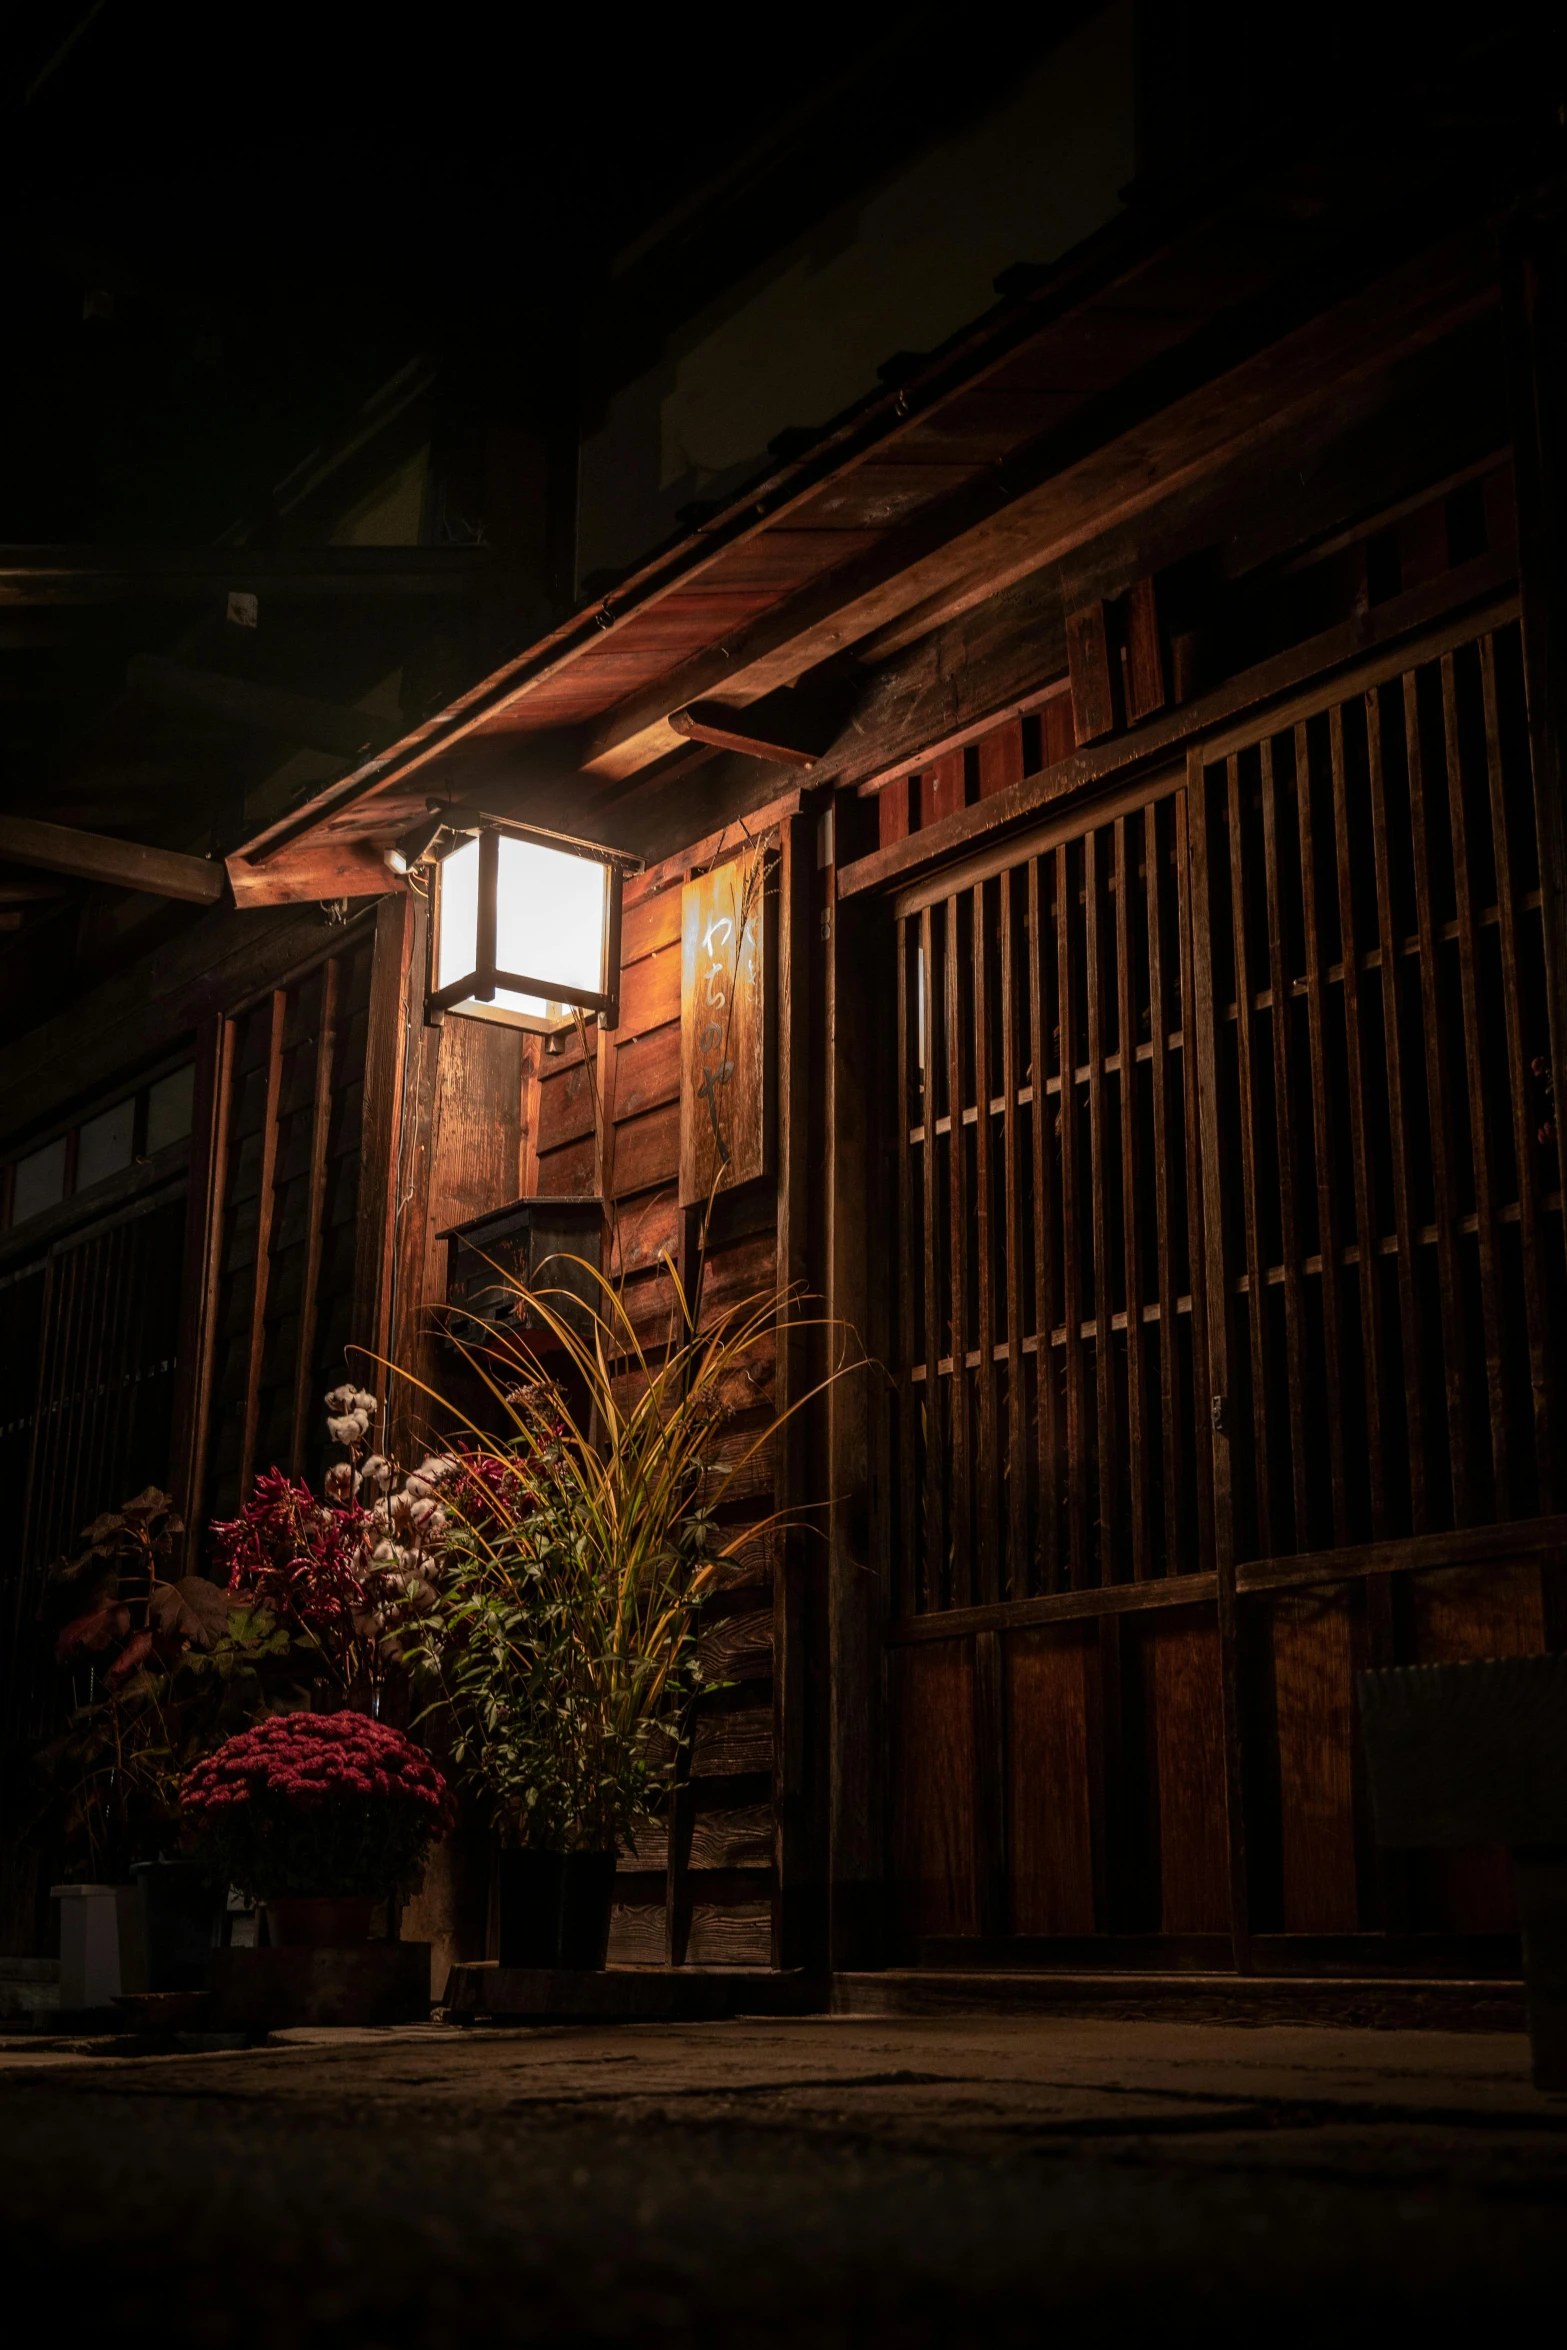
(525, 928)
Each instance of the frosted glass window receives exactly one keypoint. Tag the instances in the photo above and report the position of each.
(105, 1144)
(550, 915)
(170, 1106)
(40, 1181)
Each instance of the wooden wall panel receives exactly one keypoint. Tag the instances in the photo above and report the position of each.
(1050, 1742)
(1453, 1615)
(935, 1789)
(1181, 1663)
(1314, 1663)
(647, 1072)
(942, 789)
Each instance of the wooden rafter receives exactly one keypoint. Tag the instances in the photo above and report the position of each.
(125, 864)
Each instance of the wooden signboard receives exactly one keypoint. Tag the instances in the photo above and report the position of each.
(723, 1029)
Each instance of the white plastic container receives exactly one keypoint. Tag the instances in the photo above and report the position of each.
(89, 1943)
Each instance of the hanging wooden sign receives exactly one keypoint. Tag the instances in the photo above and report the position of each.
(723, 1029)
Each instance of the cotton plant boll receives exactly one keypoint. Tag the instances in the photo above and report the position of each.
(416, 1488)
(436, 1469)
(364, 1403)
(341, 1399)
(339, 1482)
(350, 1429)
(376, 1475)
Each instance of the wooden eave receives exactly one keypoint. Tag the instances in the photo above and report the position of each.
(1147, 355)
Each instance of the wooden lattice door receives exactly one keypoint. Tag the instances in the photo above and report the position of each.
(1230, 1274)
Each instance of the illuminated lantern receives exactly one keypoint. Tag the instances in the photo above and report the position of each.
(525, 926)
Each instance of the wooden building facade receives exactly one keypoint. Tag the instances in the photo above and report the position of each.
(1147, 712)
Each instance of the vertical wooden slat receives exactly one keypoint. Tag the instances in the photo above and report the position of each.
(1015, 1582)
(1439, 1107)
(258, 1298)
(1139, 1450)
(962, 1524)
(1071, 1253)
(1171, 1448)
(1256, 1270)
(1524, 1145)
(986, 1581)
(906, 1594)
(935, 1578)
(1368, 1284)
(320, 1135)
(1388, 944)
(1278, 1029)
(1044, 1236)
(1203, 1391)
(1329, 1237)
(1099, 1162)
(1202, 1041)
(1486, 1233)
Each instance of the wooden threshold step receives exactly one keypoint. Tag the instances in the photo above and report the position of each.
(1408, 2003)
(485, 1992)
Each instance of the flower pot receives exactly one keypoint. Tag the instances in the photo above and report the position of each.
(181, 1923)
(330, 1924)
(554, 1908)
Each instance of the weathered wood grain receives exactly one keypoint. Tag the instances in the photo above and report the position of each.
(723, 1028)
(1051, 1851)
(725, 1745)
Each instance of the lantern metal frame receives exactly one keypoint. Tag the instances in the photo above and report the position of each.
(475, 990)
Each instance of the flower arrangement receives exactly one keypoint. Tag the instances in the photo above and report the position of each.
(311, 1806)
(341, 1572)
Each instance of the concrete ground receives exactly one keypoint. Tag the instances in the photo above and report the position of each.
(831, 2181)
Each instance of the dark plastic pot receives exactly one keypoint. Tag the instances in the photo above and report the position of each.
(181, 1921)
(554, 1908)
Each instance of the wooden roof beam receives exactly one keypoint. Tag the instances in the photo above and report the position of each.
(1086, 478)
(124, 864)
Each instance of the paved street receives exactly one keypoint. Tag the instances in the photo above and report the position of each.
(824, 2180)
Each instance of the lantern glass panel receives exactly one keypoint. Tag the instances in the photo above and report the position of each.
(457, 947)
(551, 916)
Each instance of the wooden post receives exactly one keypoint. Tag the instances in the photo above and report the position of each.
(854, 1589)
(258, 1306)
(1535, 307)
(202, 1270)
(320, 1135)
(396, 979)
(794, 1935)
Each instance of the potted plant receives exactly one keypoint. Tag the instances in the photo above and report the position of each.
(319, 1816)
(163, 1668)
(562, 1643)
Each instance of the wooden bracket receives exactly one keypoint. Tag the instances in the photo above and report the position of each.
(784, 726)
